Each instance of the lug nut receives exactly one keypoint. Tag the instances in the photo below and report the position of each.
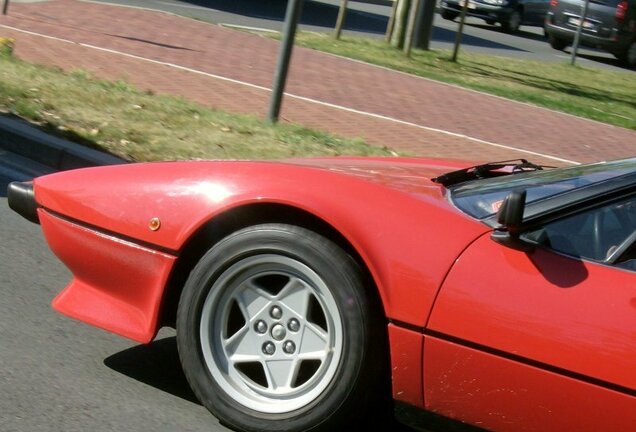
(279, 332)
(293, 325)
(269, 348)
(260, 327)
(276, 312)
(289, 347)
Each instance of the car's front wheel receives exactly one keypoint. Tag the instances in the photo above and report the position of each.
(278, 330)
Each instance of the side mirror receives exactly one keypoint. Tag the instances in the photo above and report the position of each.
(510, 219)
(510, 214)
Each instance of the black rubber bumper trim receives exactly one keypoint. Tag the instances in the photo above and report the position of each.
(407, 326)
(21, 199)
(128, 239)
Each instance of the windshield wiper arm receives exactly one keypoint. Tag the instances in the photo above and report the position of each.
(488, 170)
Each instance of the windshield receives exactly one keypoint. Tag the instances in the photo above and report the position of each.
(482, 198)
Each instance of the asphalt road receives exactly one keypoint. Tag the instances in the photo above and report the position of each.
(57, 374)
(371, 19)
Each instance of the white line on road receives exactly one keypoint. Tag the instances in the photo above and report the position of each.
(306, 99)
(244, 27)
(183, 6)
(442, 131)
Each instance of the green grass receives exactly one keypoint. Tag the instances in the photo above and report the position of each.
(139, 126)
(6, 46)
(603, 95)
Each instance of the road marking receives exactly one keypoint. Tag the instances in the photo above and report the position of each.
(244, 27)
(38, 34)
(183, 6)
(428, 128)
(291, 95)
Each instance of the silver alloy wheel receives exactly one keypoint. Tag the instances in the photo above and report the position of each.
(271, 333)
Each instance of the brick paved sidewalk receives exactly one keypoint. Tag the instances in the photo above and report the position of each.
(233, 70)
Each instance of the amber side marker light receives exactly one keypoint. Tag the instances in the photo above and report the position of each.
(154, 224)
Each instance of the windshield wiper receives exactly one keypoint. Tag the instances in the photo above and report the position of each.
(488, 170)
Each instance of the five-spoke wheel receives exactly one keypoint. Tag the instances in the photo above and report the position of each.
(278, 329)
(271, 333)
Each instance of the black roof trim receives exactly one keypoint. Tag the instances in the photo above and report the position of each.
(575, 200)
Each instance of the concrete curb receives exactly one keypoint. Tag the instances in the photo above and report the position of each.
(20, 137)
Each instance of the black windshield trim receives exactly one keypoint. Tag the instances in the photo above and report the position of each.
(557, 206)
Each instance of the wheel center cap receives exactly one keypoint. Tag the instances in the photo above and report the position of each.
(279, 332)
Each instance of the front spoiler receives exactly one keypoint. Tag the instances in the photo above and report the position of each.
(21, 199)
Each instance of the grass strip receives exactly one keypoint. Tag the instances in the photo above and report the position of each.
(598, 94)
(141, 126)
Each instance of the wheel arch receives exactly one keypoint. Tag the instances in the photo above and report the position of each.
(234, 219)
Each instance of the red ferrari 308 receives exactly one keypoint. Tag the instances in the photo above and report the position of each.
(306, 293)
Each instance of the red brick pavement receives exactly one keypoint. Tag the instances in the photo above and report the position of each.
(422, 108)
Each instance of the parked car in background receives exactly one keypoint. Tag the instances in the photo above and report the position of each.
(608, 24)
(509, 13)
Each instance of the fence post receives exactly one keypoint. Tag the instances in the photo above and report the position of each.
(391, 23)
(342, 13)
(579, 30)
(460, 30)
(410, 28)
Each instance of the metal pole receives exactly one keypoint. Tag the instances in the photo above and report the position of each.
(5, 9)
(458, 35)
(342, 13)
(292, 16)
(579, 29)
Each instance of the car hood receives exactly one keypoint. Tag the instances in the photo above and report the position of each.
(409, 175)
(184, 195)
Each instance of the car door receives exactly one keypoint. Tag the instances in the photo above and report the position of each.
(544, 339)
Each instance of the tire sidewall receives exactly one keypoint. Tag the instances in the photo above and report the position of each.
(557, 43)
(513, 23)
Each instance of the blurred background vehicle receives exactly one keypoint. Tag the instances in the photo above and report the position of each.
(511, 14)
(609, 25)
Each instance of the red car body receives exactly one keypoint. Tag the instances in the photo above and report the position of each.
(479, 332)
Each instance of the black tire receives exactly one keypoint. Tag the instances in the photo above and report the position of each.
(628, 57)
(253, 263)
(449, 14)
(557, 43)
(512, 24)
